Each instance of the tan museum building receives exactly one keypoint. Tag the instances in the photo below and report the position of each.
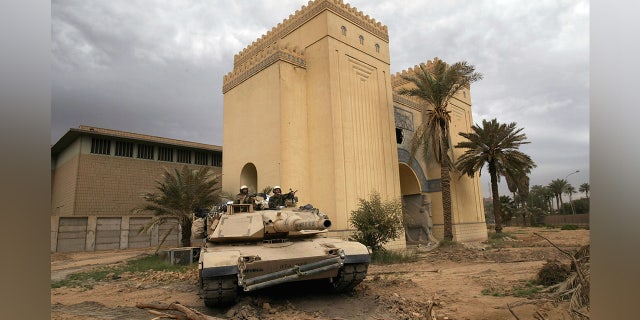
(311, 106)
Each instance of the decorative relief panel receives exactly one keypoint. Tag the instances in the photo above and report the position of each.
(403, 119)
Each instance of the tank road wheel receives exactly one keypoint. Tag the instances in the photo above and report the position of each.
(220, 291)
(349, 276)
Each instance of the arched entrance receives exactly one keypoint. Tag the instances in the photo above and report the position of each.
(416, 206)
(249, 177)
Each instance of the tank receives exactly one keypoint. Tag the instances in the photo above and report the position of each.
(255, 249)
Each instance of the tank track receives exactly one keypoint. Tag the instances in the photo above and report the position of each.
(349, 276)
(220, 291)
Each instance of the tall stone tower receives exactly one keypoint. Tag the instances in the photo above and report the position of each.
(309, 106)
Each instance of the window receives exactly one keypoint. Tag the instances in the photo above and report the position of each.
(344, 30)
(145, 151)
(165, 154)
(216, 160)
(124, 149)
(184, 156)
(399, 135)
(200, 158)
(100, 146)
(361, 39)
(377, 47)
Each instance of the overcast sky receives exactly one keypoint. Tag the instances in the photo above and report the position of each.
(156, 67)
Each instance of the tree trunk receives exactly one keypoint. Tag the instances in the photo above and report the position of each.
(445, 183)
(185, 234)
(497, 214)
(571, 204)
(525, 211)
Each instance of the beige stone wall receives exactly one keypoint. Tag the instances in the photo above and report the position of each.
(464, 232)
(255, 130)
(113, 185)
(64, 179)
(321, 86)
(336, 140)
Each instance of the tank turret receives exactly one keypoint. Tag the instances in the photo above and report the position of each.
(256, 249)
(267, 224)
(295, 220)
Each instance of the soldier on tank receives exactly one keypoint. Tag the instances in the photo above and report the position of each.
(244, 197)
(277, 199)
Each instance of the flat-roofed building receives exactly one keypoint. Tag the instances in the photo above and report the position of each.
(97, 178)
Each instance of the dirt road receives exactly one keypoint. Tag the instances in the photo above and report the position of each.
(473, 281)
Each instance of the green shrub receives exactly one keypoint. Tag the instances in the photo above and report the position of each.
(569, 227)
(376, 221)
(529, 289)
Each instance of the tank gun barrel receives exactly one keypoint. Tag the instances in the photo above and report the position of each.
(298, 224)
(312, 224)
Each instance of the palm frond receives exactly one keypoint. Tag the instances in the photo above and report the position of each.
(435, 85)
(178, 192)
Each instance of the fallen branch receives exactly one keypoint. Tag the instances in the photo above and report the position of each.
(539, 316)
(431, 315)
(190, 313)
(568, 254)
(580, 313)
(578, 291)
(528, 301)
(513, 313)
(166, 315)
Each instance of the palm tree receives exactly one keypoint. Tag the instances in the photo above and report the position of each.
(512, 185)
(518, 184)
(570, 190)
(539, 198)
(178, 195)
(435, 84)
(507, 208)
(557, 187)
(496, 145)
(584, 188)
(549, 195)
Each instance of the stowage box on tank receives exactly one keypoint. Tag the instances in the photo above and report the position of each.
(246, 251)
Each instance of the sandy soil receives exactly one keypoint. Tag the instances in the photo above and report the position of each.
(465, 282)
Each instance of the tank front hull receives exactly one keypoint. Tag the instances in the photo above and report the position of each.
(259, 265)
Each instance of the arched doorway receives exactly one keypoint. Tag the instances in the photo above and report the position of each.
(416, 205)
(249, 177)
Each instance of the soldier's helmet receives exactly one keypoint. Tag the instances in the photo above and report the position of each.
(243, 187)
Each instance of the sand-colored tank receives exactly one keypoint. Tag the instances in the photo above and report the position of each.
(246, 251)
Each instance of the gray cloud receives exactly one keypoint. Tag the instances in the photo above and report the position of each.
(156, 67)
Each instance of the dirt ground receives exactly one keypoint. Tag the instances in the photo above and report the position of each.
(473, 282)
